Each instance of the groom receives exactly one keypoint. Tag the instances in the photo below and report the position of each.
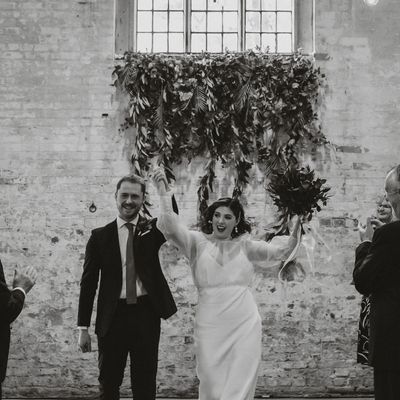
(133, 295)
(377, 273)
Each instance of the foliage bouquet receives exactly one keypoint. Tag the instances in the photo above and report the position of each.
(296, 191)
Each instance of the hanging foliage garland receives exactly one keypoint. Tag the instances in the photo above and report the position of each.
(234, 108)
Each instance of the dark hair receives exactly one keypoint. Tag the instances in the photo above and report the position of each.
(235, 206)
(132, 179)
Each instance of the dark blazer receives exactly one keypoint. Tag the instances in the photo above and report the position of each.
(103, 257)
(377, 273)
(11, 303)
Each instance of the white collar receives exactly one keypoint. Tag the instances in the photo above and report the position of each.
(121, 222)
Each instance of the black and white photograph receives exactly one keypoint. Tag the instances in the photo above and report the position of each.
(199, 199)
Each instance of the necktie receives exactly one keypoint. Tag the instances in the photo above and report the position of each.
(130, 268)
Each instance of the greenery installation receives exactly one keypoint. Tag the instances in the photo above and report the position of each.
(234, 108)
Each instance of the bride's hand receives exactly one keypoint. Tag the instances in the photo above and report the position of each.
(296, 226)
(160, 181)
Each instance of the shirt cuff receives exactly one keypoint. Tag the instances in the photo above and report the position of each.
(20, 288)
(83, 328)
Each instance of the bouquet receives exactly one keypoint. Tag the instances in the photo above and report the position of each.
(295, 191)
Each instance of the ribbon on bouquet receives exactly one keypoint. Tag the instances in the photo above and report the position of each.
(292, 254)
(309, 239)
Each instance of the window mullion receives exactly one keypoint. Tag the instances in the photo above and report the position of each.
(242, 24)
(187, 10)
(133, 26)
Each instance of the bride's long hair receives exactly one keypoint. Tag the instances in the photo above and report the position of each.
(235, 206)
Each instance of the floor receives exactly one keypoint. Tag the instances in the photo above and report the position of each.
(281, 398)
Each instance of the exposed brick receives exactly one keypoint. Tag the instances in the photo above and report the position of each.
(61, 150)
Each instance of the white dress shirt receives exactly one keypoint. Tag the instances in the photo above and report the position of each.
(123, 238)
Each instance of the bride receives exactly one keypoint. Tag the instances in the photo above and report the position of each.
(227, 331)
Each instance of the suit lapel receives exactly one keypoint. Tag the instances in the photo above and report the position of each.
(138, 246)
(112, 244)
(140, 223)
(2, 277)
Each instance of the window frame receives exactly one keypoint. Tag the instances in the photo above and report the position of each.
(303, 27)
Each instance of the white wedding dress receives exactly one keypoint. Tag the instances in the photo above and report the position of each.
(227, 330)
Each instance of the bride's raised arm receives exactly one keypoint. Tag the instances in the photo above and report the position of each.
(168, 222)
(258, 250)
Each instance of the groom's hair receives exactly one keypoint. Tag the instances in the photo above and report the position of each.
(133, 178)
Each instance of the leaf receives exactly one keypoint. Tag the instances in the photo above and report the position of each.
(199, 100)
(209, 105)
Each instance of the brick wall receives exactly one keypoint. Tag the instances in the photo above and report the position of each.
(61, 150)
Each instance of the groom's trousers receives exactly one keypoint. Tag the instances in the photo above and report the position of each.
(135, 330)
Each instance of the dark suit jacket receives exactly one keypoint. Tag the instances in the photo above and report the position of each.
(11, 303)
(377, 273)
(103, 257)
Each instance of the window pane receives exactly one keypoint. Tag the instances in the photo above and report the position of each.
(252, 40)
(230, 22)
(175, 42)
(176, 21)
(160, 4)
(176, 4)
(199, 22)
(215, 25)
(269, 5)
(269, 22)
(215, 4)
(214, 22)
(285, 5)
(284, 43)
(230, 42)
(268, 40)
(198, 4)
(144, 5)
(284, 22)
(214, 42)
(160, 22)
(198, 42)
(160, 42)
(252, 22)
(144, 42)
(252, 4)
(231, 5)
(144, 21)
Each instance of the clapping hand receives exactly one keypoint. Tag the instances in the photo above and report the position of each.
(367, 231)
(376, 223)
(25, 279)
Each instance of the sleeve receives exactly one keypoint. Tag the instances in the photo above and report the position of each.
(159, 236)
(89, 282)
(11, 303)
(170, 225)
(375, 262)
(270, 253)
